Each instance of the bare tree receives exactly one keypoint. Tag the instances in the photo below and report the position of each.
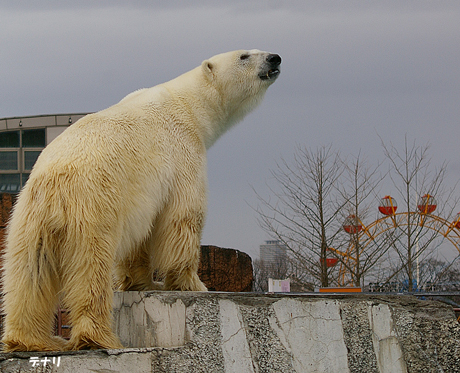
(358, 190)
(261, 276)
(304, 213)
(416, 182)
(437, 272)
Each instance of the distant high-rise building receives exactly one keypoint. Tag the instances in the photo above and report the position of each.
(273, 252)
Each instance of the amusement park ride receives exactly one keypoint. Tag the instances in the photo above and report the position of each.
(362, 236)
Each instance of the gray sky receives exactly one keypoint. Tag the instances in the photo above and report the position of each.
(352, 70)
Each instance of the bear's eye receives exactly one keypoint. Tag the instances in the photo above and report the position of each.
(244, 57)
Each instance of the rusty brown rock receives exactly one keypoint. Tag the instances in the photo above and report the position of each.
(225, 269)
(6, 205)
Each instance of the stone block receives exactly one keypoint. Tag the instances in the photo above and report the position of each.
(149, 324)
(247, 332)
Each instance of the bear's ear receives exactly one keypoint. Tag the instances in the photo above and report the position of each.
(208, 68)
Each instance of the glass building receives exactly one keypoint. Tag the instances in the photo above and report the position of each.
(21, 141)
(273, 252)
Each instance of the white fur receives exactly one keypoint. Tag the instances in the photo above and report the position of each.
(121, 192)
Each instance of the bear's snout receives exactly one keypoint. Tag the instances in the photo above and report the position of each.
(274, 59)
(271, 69)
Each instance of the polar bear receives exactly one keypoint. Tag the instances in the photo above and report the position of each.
(121, 193)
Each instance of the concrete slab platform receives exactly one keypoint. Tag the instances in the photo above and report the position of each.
(262, 333)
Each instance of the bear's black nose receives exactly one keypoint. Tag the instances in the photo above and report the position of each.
(274, 59)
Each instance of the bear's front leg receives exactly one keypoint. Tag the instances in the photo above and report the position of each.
(176, 234)
(176, 250)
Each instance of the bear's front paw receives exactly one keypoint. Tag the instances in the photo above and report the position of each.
(188, 282)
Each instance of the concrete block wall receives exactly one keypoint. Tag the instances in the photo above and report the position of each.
(257, 333)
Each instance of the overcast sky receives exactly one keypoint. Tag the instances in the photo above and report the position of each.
(352, 70)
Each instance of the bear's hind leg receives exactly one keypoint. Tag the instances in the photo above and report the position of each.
(88, 292)
(31, 285)
(135, 272)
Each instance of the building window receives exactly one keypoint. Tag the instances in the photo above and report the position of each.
(10, 183)
(24, 178)
(30, 157)
(9, 160)
(19, 151)
(9, 139)
(34, 138)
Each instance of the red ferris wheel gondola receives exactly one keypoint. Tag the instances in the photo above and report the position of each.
(427, 204)
(330, 262)
(388, 205)
(457, 221)
(352, 225)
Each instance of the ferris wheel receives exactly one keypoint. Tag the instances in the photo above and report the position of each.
(363, 238)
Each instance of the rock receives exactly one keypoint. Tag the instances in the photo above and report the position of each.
(6, 205)
(225, 269)
(7, 201)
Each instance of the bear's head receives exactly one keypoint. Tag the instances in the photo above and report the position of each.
(241, 77)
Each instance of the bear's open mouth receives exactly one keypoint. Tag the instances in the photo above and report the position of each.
(270, 74)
